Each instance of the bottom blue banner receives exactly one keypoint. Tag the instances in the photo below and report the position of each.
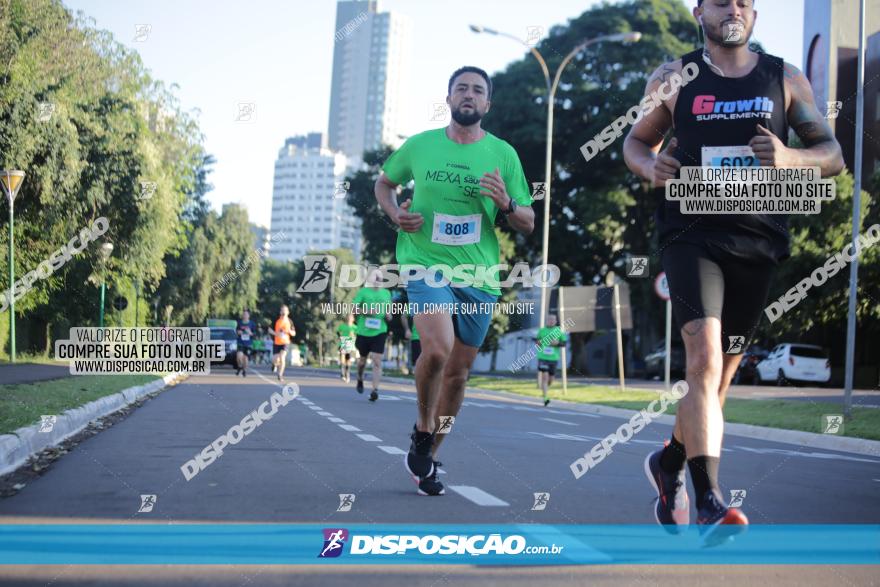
(295, 544)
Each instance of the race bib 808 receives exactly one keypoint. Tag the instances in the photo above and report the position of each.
(456, 230)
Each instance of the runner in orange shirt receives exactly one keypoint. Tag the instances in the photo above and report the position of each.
(282, 332)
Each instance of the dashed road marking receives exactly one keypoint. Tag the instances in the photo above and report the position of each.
(368, 437)
(350, 428)
(325, 414)
(560, 421)
(337, 420)
(392, 450)
(478, 496)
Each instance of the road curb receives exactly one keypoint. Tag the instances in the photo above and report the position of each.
(18, 447)
(797, 437)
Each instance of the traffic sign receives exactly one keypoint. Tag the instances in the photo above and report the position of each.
(661, 286)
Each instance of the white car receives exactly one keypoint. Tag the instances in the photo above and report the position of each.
(798, 362)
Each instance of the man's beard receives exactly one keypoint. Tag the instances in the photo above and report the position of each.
(466, 119)
(721, 35)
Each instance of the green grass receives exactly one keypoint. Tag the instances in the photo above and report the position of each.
(789, 415)
(22, 404)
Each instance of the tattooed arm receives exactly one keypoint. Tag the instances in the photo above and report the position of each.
(821, 149)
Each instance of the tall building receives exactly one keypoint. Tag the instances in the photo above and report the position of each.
(831, 42)
(370, 70)
(309, 212)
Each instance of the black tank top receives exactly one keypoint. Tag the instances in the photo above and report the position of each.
(715, 111)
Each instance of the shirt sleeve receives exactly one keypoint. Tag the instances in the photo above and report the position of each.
(515, 180)
(398, 167)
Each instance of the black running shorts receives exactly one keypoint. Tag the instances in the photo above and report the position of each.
(705, 281)
(370, 344)
(547, 367)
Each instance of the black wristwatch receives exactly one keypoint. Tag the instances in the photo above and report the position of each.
(511, 208)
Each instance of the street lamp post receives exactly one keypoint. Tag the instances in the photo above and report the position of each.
(106, 250)
(12, 180)
(550, 97)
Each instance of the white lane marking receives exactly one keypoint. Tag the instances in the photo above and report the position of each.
(877, 480)
(814, 455)
(586, 438)
(349, 427)
(324, 414)
(316, 408)
(393, 398)
(560, 421)
(337, 420)
(368, 437)
(392, 450)
(478, 496)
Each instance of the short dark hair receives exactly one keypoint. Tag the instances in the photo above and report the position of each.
(471, 69)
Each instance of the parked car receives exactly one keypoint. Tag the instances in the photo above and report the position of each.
(655, 361)
(795, 362)
(230, 340)
(747, 372)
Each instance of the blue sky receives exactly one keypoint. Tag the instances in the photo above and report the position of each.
(278, 55)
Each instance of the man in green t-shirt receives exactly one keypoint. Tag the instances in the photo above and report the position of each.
(549, 339)
(373, 306)
(347, 332)
(464, 176)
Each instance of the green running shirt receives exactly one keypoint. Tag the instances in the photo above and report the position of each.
(459, 226)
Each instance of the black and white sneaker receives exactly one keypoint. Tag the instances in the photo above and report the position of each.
(374, 395)
(418, 460)
(431, 485)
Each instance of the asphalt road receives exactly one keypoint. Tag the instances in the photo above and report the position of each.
(332, 441)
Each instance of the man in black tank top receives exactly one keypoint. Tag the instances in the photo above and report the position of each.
(739, 107)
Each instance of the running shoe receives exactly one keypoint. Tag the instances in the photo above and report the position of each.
(718, 523)
(360, 386)
(431, 485)
(672, 510)
(546, 402)
(374, 395)
(418, 460)
(237, 371)
(244, 372)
